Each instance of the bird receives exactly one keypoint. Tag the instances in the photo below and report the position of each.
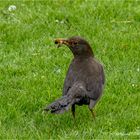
(85, 78)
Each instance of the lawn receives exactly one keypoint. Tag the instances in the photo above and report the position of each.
(32, 69)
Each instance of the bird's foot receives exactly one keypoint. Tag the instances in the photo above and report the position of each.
(93, 114)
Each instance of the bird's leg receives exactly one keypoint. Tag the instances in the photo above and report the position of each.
(73, 110)
(93, 113)
(91, 105)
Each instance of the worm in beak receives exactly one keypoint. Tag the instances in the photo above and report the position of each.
(61, 41)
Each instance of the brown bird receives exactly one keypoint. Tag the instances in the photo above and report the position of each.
(84, 81)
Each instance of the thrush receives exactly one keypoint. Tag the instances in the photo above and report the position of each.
(84, 80)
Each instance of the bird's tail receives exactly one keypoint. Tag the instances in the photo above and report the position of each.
(60, 105)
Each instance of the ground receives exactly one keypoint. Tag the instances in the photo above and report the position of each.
(32, 69)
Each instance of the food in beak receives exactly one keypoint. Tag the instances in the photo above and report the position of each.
(60, 41)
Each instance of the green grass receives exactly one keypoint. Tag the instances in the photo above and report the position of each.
(32, 69)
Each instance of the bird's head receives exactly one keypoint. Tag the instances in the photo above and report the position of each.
(78, 46)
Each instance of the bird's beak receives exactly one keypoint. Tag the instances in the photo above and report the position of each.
(61, 41)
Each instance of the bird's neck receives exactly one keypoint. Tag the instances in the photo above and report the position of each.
(83, 56)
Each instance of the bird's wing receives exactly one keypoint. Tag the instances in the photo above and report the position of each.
(77, 92)
(69, 80)
(94, 83)
(92, 75)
